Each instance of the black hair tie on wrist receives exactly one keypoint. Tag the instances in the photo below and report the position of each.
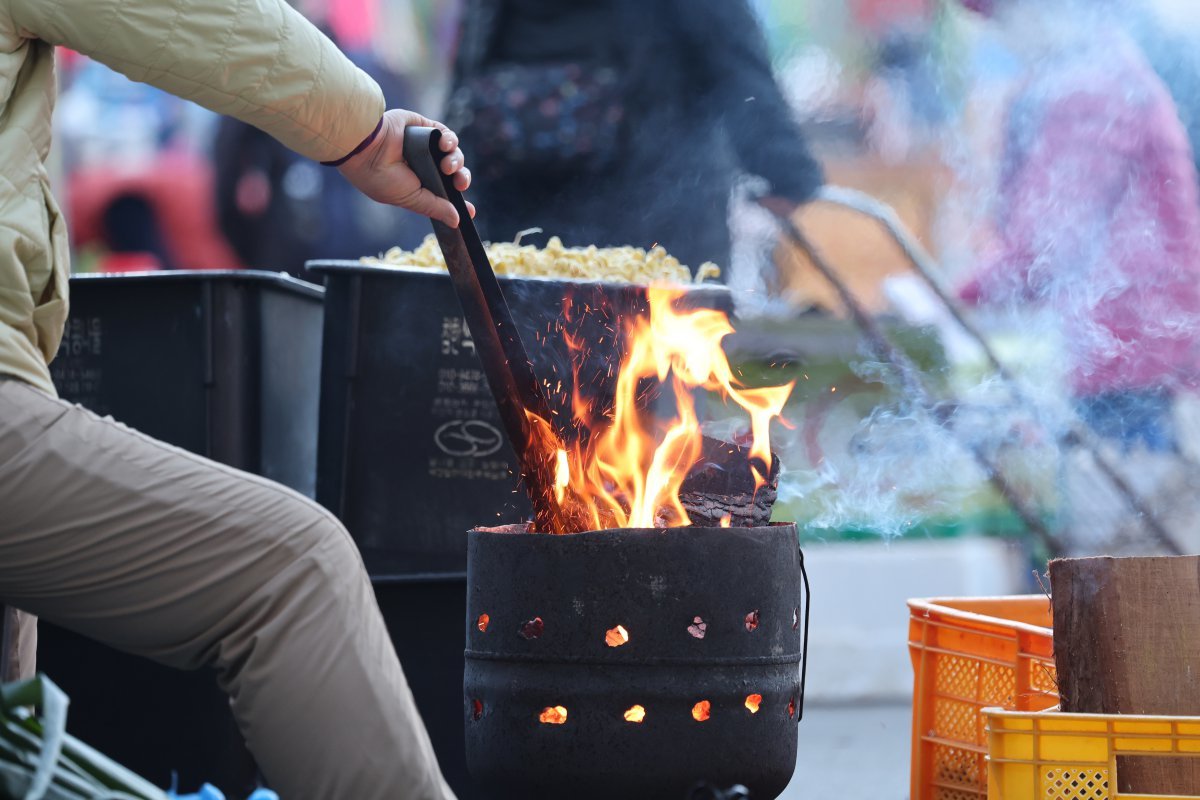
(363, 145)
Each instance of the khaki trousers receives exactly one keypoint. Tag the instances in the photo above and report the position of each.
(168, 555)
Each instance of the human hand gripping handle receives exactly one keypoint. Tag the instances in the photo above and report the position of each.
(381, 172)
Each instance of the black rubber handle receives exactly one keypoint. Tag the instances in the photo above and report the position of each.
(505, 360)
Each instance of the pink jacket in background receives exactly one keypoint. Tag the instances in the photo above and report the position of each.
(1098, 218)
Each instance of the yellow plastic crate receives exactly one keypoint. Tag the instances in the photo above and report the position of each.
(1055, 756)
(967, 654)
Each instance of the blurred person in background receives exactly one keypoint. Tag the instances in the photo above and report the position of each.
(565, 107)
(279, 210)
(1097, 215)
(148, 548)
(130, 152)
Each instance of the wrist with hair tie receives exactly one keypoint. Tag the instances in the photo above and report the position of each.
(363, 145)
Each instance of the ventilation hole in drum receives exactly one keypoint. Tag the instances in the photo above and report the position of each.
(553, 715)
(753, 702)
(635, 714)
(476, 709)
(615, 637)
(752, 620)
(792, 706)
(532, 629)
(482, 623)
(698, 628)
(796, 618)
(702, 711)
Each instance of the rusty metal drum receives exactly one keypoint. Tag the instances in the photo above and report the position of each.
(634, 663)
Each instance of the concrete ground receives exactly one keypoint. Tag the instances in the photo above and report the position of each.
(855, 736)
(853, 752)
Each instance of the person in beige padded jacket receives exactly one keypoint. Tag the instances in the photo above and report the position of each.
(149, 548)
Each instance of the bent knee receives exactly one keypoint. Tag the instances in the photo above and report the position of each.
(321, 545)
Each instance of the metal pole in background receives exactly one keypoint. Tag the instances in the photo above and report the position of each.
(914, 385)
(1076, 434)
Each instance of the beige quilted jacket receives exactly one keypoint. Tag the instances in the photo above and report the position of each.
(257, 60)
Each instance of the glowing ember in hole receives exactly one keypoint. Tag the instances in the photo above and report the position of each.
(482, 622)
(553, 715)
(753, 701)
(532, 629)
(476, 709)
(752, 620)
(795, 617)
(616, 636)
(792, 706)
(698, 628)
(702, 711)
(635, 714)
(726, 520)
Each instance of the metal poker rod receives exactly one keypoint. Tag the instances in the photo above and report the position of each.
(505, 360)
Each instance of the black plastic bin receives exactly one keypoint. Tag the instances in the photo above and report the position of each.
(411, 450)
(225, 364)
(222, 363)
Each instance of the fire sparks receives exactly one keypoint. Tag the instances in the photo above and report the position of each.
(617, 636)
(702, 711)
(753, 702)
(482, 623)
(626, 470)
(635, 714)
(553, 715)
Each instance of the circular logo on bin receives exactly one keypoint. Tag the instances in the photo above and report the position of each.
(468, 437)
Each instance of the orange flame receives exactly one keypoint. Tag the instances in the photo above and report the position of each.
(726, 520)
(562, 475)
(635, 714)
(628, 472)
(753, 702)
(553, 715)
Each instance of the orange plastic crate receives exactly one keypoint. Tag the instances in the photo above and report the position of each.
(968, 654)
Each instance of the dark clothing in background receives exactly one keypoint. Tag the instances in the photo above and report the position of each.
(701, 107)
(311, 211)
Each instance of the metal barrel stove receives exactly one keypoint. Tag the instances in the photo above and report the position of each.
(412, 452)
(634, 663)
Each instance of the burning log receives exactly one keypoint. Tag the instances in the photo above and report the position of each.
(723, 488)
(1125, 643)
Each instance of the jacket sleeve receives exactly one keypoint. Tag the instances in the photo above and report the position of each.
(257, 60)
(734, 69)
